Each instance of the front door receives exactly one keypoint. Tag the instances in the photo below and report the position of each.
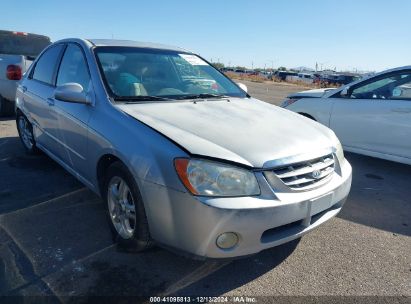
(73, 118)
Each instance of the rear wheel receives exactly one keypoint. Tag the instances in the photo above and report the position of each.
(125, 210)
(25, 130)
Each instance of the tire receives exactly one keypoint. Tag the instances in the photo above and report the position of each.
(125, 210)
(25, 130)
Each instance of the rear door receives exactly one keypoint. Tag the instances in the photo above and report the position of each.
(377, 115)
(38, 97)
(73, 117)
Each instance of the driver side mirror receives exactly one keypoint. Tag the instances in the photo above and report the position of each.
(71, 92)
(242, 86)
(345, 93)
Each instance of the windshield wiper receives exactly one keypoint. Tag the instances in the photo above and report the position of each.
(131, 99)
(202, 96)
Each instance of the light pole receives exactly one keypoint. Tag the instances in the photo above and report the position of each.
(322, 65)
(272, 65)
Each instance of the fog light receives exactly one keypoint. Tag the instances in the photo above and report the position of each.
(227, 240)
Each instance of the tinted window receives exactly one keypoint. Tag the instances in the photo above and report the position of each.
(73, 68)
(45, 67)
(394, 86)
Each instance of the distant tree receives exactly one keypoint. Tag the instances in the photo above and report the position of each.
(240, 68)
(282, 68)
(218, 65)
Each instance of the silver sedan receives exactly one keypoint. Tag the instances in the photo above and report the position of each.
(182, 156)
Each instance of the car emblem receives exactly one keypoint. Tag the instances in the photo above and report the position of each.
(316, 174)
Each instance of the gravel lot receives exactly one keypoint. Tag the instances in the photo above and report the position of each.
(54, 239)
(271, 92)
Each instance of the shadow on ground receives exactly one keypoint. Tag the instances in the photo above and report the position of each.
(63, 247)
(380, 195)
(29, 179)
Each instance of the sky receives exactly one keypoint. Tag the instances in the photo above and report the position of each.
(368, 35)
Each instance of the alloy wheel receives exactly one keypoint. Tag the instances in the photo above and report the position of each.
(25, 132)
(121, 207)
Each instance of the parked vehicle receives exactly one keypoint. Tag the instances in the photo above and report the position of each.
(337, 79)
(265, 74)
(371, 116)
(226, 69)
(206, 170)
(282, 75)
(252, 73)
(17, 52)
(301, 77)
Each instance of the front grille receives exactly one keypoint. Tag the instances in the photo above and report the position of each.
(307, 174)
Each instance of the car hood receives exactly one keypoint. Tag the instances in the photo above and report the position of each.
(312, 93)
(245, 131)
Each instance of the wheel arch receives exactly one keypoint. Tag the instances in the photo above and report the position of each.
(104, 162)
(18, 111)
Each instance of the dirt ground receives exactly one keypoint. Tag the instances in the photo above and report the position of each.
(271, 92)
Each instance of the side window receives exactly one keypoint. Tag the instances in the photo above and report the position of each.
(73, 68)
(46, 65)
(395, 86)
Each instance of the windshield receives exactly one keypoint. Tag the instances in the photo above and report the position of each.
(22, 43)
(151, 74)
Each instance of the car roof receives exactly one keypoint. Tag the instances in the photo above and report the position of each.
(131, 43)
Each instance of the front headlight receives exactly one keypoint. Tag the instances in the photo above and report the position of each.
(208, 178)
(289, 101)
(338, 148)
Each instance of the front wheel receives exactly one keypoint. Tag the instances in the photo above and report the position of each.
(125, 210)
(25, 130)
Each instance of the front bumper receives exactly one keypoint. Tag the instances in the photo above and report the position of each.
(192, 224)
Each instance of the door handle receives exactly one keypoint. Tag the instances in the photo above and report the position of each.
(50, 101)
(401, 110)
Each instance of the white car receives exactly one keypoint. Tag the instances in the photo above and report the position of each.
(17, 52)
(371, 116)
